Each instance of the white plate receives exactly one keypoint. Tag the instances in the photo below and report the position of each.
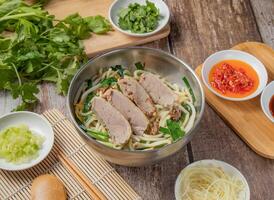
(36, 123)
(244, 195)
(117, 5)
(265, 99)
(235, 55)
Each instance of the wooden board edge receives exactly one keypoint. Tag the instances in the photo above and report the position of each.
(198, 72)
(237, 46)
(162, 34)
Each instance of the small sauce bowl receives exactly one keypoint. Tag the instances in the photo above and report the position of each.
(117, 5)
(37, 124)
(235, 55)
(265, 100)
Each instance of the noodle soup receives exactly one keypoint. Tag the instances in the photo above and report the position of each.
(158, 112)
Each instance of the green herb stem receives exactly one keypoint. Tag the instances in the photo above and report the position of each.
(17, 74)
(16, 16)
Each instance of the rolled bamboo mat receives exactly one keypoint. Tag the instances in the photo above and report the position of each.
(84, 174)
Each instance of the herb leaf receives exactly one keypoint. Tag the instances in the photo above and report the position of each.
(108, 81)
(175, 129)
(139, 18)
(119, 69)
(164, 130)
(36, 49)
(87, 103)
(140, 66)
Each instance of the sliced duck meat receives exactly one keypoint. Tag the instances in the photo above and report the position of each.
(135, 92)
(159, 92)
(129, 110)
(117, 125)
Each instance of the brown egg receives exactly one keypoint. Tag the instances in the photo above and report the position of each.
(48, 187)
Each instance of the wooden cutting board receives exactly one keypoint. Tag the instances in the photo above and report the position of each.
(246, 117)
(99, 43)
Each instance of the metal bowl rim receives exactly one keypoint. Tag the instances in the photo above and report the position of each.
(84, 66)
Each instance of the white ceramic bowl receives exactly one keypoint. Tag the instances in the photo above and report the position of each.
(117, 5)
(265, 99)
(244, 195)
(235, 55)
(36, 123)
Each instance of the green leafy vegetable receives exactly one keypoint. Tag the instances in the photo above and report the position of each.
(34, 49)
(164, 130)
(139, 18)
(19, 145)
(42, 2)
(87, 103)
(90, 84)
(140, 66)
(189, 89)
(108, 81)
(188, 108)
(119, 69)
(98, 135)
(175, 129)
(98, 24)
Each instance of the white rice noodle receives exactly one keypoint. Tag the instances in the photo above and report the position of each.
(139, 145)
(189, 95)
(164, 116)
(81, 89)
(130, 145)
(86, 114)
(148, 139)
(96, 81)
(138, 73)
(86, 93)
(186, 117)
(158, 106)
(90, 120)
(190, 123)
(153, 136)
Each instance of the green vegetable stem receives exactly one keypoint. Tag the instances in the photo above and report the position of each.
(35, 47)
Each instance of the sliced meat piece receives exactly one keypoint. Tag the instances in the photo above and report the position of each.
(117, 125)
(129, 110)
(159, 92)
(135, 92)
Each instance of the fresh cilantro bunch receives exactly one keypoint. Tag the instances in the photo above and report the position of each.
(36, 47)
(139, 18)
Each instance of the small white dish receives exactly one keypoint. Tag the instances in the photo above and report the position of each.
(36, 123)
(235, 55)
(265, 100)
(117, 5)
(244, 195)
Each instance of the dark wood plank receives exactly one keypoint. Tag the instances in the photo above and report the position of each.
(264, 14)
(200, 28)
(156, 182)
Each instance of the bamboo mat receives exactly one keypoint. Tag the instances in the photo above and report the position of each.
(69, 153)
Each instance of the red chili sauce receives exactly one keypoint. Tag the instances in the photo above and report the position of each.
(271, 105)
(233, 78)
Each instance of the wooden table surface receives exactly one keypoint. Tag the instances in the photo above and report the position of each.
(198, 29)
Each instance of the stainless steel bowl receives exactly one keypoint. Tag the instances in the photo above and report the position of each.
(157, 61)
